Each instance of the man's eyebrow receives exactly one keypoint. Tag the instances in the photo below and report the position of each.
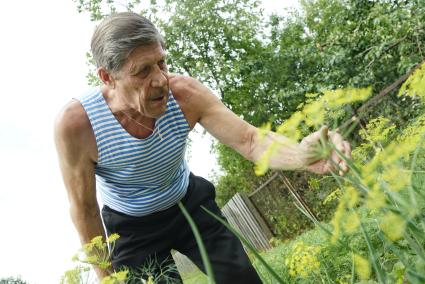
(163, 56)
(136, 68)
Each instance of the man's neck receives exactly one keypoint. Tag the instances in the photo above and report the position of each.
(118, 103)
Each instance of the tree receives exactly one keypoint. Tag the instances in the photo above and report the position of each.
(12, 280)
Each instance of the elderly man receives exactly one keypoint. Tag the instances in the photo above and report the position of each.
(127, 140)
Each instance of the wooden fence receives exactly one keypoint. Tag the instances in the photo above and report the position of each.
(242, 215)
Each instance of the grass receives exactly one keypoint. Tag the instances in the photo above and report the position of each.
(274, 257)
(336, 260)
(196, 277)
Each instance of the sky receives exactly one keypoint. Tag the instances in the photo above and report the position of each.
(43, 65)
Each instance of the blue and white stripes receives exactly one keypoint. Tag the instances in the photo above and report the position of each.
(139, 176)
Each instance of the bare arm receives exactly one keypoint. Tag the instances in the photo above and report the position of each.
(76, 148)
(231, 130)
(201, 105)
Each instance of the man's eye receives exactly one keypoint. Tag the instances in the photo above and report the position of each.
(162, 64)
(144, 71)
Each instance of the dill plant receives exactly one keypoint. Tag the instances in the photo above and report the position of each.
(96, 252)
(392, 225)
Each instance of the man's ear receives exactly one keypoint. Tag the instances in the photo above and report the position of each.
(106, 77)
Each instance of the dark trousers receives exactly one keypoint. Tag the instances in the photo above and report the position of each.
(145, 242)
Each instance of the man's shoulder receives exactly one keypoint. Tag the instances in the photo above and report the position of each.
(181, 86)
(73, 133)
(193, 97)
(72, 120)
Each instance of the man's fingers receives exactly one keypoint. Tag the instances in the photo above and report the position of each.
(324, 133)
(336, 162)
(347, 150)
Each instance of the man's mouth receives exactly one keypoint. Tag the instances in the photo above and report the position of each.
(157, 98)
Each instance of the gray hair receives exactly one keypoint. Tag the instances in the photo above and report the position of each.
(118, 35)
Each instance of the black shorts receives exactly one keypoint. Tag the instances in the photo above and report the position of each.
(145, 242)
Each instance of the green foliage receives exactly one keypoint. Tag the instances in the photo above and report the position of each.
(92, 77)
(12, 280)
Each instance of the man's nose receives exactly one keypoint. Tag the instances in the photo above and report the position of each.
(159, 78)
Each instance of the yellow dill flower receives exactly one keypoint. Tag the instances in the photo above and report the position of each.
(314, 183)
(262, 131)
(392, 153)
(352, 197)
(369, 176)
(108, 280)
(396, 178)
(352, 222)
(72, 276)
(393, 226)
(121, 275)
(371, 182)
(336, 221)
(314, 113)
(97, 242)
(377, 130)
(92, 259)
(262, 165)
(415, 84)
(150, 280)
(344, 279)
(303, 260)
(332, 196)
(376, 199)
(362, 267)
(116, 277)
(289, 127)
(104, 264)
(336, 98)
(274, 242)
(113, 237)
(88, 248)
(76, 257)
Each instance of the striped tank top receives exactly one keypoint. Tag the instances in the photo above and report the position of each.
(139, 176)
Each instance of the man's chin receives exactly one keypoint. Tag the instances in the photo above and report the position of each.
(157, 109)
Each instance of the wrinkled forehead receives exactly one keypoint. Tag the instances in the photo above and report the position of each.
(145, 55)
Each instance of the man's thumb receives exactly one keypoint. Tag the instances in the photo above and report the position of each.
(324, 134)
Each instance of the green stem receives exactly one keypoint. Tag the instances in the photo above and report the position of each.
(204, 255)
(412, 169)
(248, 245)
(352, 268)
(376, 265)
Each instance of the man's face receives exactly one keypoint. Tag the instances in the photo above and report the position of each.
(143, 80)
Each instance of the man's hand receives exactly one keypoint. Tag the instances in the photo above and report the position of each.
(321, 147)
